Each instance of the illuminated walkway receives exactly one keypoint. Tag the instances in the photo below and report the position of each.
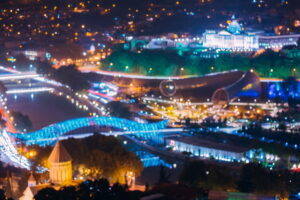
(29, 90)
(10, 77)
(47, 134)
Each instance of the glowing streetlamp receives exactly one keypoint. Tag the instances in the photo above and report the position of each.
(294, 71)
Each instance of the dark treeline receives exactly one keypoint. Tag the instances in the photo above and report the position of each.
(250, 178)
(21, 122)
(68, 75)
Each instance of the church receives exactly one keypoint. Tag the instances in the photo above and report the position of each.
(60, 171)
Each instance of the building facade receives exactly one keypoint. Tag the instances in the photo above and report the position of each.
(227, 40)
(278, 41)
(60, 165)
(206, 149)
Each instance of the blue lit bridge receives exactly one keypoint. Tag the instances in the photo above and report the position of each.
(150, 160)
(51, 133)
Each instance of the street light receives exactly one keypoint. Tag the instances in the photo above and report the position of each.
(271, 71)
(294, 71)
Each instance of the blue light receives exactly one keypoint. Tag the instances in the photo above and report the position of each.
(150, 160)
(51, 133)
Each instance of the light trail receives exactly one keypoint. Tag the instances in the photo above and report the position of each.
(176, 102)
(134, 76)
(18, 76)
(29, 90)
(265, 106)
(102, 95)
(10, 153)
(125, 75)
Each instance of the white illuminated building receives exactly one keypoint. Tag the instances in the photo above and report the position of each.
(278, 41)
(232, 38)
(206, 149)
(199, 147)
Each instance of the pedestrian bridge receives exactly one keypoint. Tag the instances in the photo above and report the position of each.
(52, 132)
(9, 77)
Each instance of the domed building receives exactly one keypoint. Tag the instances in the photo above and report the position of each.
(235, 27)
(233, 38)
(60, 163)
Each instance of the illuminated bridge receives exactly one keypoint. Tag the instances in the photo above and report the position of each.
(150, 160)
(18, 76)
(51, 133)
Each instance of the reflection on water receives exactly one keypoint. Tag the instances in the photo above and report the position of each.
(44, 108)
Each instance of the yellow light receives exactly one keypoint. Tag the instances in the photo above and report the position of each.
(88, 34)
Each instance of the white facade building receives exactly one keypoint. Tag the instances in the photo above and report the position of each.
(198, 147)
(206, 149)
(227, 40)
(278, 41)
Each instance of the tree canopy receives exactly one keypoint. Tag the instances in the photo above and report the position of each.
(92, 190)
(71, 76)
(248, 178)
(119, 109)
(96, 157)
(174, 62)
(21, 121)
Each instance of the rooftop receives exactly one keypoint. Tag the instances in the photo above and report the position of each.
(59, 154)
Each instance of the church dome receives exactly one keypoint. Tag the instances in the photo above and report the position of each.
(234, 27)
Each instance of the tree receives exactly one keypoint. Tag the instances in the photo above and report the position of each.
(207, 176)
(44, 67)
(22, 63)
(291, 88)
(71, 76)
(164, 176)
(96, 157)
(187, 122)
(257, 179)
(68, 193)
(88, 190)
(22, 122)
(47, 194)
(2, 195)
(169, 62)
(119, 109)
